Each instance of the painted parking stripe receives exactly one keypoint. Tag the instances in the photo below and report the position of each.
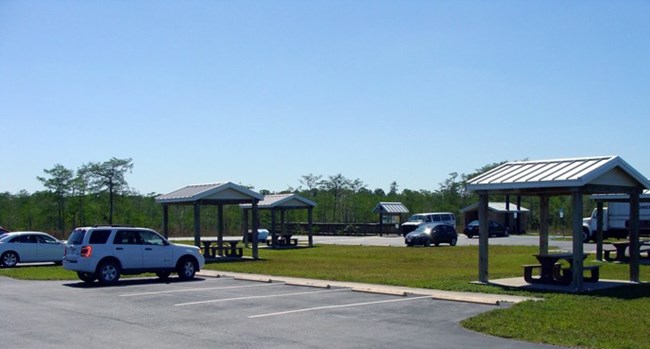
(195, 290)
(258, 297)
(336, 306)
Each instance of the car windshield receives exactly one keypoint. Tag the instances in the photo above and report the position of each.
(473, 224)
(421, 229)
(416, 218)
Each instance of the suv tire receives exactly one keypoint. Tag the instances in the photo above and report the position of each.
(86, 277)
(108, 272)
(163, 275)
(186, 269)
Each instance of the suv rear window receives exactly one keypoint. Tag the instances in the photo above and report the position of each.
(99, 236)
(77, 237)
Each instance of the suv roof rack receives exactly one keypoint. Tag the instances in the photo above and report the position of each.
(113, 225)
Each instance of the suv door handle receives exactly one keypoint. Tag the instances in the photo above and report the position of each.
(147, 248)
(119, 248)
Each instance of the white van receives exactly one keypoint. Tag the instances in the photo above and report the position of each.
(432, 217)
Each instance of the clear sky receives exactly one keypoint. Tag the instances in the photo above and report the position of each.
(263, 92)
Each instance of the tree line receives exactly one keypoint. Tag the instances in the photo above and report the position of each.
(98, 193)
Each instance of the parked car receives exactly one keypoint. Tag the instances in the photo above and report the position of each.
(426, 218)
(262, 235)
(29, 246)
(494, 228)
(105, 252)
(427, 234)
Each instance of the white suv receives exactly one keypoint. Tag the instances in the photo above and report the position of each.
(425, 218)
(104, 252)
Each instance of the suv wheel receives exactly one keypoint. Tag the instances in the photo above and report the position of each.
(86, 277)
(453, 241)
(186, 269)
(163, 275)
(9, 259)
(108, 273)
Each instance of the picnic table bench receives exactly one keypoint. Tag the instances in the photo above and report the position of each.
(621, 246)
(552, 272)
(226, 248)
(281, 240)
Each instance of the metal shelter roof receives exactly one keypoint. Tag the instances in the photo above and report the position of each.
(390, 208)
(606, 173)
(289, 201)
(495, 207)
(226, 192)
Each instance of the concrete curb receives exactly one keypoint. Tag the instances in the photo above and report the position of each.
(467, 297)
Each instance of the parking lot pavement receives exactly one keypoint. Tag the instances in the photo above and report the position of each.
(394, 240)
(231, 313)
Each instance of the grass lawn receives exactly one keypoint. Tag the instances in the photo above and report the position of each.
(610, 319)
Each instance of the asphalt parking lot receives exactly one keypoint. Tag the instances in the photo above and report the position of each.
(231, 313)
(559, 242)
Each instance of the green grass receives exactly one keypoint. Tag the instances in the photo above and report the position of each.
(41, 272)
(444, 267)
(573, 320)
(614, 319)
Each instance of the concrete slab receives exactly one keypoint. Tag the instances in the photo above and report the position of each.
(521, 284)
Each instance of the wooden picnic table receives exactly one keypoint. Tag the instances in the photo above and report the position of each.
(552, 272)
(622, 246)
(228, 245)
(282, 240)
(548, 275)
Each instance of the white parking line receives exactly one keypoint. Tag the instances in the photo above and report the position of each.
(336, 306)
(257, 297)
(195, 290)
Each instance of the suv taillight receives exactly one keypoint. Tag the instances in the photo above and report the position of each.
(86, 251)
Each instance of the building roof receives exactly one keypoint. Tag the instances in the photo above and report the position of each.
(390, 208)
(282, 201)
(605, 172)
(495, 207)
(620, 197)
(226, 192)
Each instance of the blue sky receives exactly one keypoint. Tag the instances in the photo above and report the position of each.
(263, 92)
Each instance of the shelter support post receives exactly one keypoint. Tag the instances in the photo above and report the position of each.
(543, 224)
(310, 219)
(245, 226)
(381, 224)
(283, 219)
(273, 232)
(220, 226)
(599, 230)
(507, 216)
(256, 226)
(483, 238)
(166, 221)
(197, 224)
(578, 250)
(518, 220)
(634, 236)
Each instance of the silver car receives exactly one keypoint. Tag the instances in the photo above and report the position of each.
(29, 246)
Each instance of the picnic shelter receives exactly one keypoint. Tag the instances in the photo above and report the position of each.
(282, 203)
(215, 194)
(574, 177)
